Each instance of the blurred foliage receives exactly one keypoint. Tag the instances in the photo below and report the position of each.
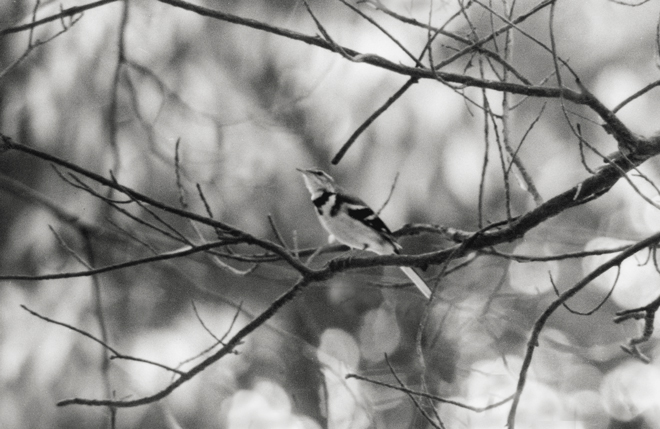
(248, 107)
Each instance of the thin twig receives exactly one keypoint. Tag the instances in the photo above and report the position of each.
(637, 94)
(33, 44)
(484, 166)
(188, 250)
(560, 257)
(117, 355)
(432, 397)
(383, 30)
(68, 12)
(113, 119)
(389, 195)
(278, 236)
(624, 3)
(236, 234)
(412, 397)
(597, 307)
(515, 159)
(218, 340)
(582, 143)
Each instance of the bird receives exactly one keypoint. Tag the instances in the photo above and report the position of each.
(352, 222)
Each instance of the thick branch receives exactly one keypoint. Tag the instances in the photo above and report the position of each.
(619, 131)
(375, 60)
(585, 191)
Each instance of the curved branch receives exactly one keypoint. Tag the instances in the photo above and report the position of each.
(533, 341)
(638, 94)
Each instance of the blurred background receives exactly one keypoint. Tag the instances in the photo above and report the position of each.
(248, 107)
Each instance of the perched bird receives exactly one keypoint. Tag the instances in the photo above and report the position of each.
(352, 222)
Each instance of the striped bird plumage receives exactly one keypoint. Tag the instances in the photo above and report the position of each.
(352, 222)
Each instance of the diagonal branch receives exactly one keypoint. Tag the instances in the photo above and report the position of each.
(70, 11)
(186, 376)
(342, 151)
(625, 138)
(375, 60)
(589, 189)
(532, 343)
(7, 143)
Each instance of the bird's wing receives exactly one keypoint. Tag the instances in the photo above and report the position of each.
(361, 211)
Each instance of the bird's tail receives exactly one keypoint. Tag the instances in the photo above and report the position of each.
(419, 282)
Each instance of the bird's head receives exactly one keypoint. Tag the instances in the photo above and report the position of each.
(318, 181)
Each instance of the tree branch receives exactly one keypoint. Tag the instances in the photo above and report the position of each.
(71, 11)
(226, 349)
(533, 341)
